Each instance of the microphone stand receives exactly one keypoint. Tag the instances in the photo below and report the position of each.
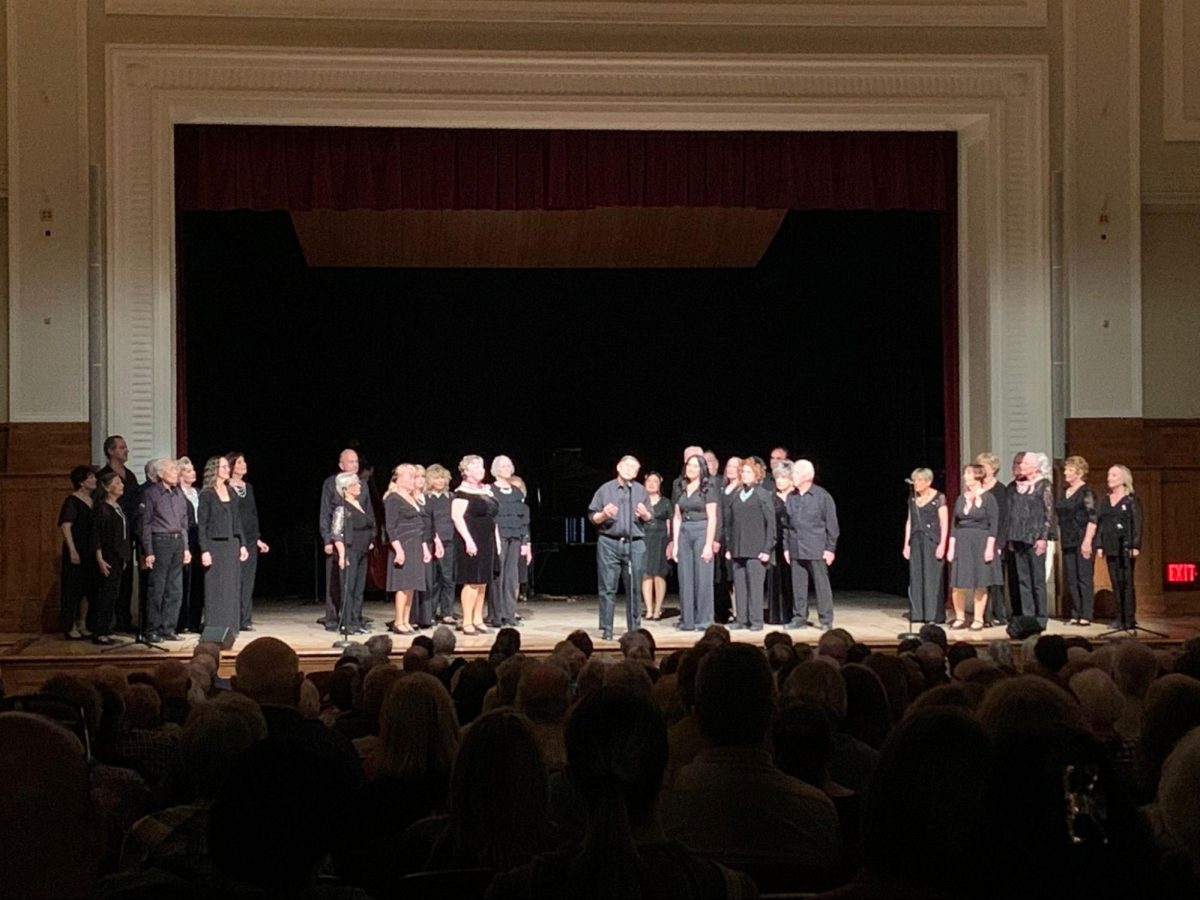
(1125, 589)
(912, 523)
(629, 590)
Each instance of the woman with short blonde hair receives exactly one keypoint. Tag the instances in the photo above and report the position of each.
(926, 531)
(1119, 540)
(408, 551)
(477, 540)
(998, 608)
(440, 587)
(1076, 513)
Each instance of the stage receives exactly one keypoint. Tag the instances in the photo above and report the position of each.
(873, 618)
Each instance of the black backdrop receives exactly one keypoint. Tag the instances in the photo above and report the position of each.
(831, 346)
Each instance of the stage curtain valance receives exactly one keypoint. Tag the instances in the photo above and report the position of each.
(222, 167)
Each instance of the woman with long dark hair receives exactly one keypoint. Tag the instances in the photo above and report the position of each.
(222, 548)
(779, 573)
(78, 570)
(694, 528)
(243, 493)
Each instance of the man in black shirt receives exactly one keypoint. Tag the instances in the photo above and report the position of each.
(811, 535)
(116, 451)
(164, 530)
(331, 500)
(618, 510)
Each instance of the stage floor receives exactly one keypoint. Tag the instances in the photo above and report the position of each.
(873, 618)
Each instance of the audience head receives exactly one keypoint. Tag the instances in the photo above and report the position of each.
(959, 651)
(473, 682)
(380, 645)
(816, 682)
(689, 665)
(376, 686)
(216, 733)
(1051, 652)
(1134, 668)
(506, 644)
(268, 672)
(933, 634)
(835, 646)
(444, 640)
(1177, 793)
(631, 675)
(868, 715)
(418, 729)
(735, 696)
(894, 678)
(1028, 700)
(582, 640)
(1099, 700)
(143, 707)
(543, 693)
(803, 741)
(1171, 710)
(49, 842)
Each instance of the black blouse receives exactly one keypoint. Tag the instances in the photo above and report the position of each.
(79, 514)
(692, 507)
(923, 521)
(1074, 513)
(661, 512)
(1119, 527)
(111, 535)
(217, 520)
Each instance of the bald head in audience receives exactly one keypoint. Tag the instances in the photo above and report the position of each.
(268, 672)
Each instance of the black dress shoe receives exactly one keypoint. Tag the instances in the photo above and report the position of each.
(170, 636)
(104, 640)
(247, 628)
(796, 623)
(152, 637)
(331, 628)
(606, 636)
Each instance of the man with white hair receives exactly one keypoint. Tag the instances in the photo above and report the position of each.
(330, 501)
(164, 536)
(1030, 521)
(810, 545)
(116, 452)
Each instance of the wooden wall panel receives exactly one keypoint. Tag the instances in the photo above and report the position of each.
(30, 547)
(39, 447)
(1164, 456)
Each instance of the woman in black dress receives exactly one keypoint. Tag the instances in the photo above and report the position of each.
(222, 548)
(658, 534)
(192, 607)
(1076, 512)
(408, 551)
(779, 574)
(999, 610)
(243, 493)
(972, 551)
(750, 524)
(78, 571)
(441, 567)
(1119, 541)
(477, 540)
(353, 537)
(926, 532)
(113, 543)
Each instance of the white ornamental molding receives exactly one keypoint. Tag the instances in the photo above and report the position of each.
(781, 13)
(1000, 101)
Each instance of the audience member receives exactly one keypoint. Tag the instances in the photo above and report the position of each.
(868, 716)
(543, 696)
(1171, 710)
(853, 761)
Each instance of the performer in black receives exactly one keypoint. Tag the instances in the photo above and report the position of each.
(477, 541)
(331, 500)
(113, 543)
(441, 567)
(78, 567)
(243, 493)
(812, 531)
(164, 527)
(972, 548)
(1119, 541)
(749, 539)
(222, 549)
(657, 530)
(116, 451)
(408, 552)
(619, 511)
(1030, 519)
(695, 530)
(192, 609)
(353, 533)
(1076, 511)
(998, 608)
(512, 522)
(724, 588)
(779, 574)
(925, 536)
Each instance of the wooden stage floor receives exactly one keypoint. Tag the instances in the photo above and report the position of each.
(873, 618)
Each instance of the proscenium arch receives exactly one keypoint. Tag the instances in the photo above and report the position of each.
(998, 106)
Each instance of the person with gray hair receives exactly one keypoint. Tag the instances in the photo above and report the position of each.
(512, 522)
(619, 510)
(779, 576)
(353, 532)
(1030, 522)
(331, 500)
(164, 535)
(811, 526)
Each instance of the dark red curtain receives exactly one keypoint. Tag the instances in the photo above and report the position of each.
(222, 167)
(267, 167)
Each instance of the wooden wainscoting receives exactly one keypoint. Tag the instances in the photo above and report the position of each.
(1164, 456)
(37, 461)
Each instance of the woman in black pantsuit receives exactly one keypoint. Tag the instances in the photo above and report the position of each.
(353, 536)
(749, 538)
(78, 571)
(1119, 541)
(724, 599)
(1076, 513)
(779, 574)
(247, 507)
(222, 548)
(408, 552)
(926, 531)
(658, 534)
(113, 543)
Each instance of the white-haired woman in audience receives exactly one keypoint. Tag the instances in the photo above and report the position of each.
(353, 534)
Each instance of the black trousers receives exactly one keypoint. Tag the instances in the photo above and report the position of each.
(440, 579)
(749, 579)
(802, 571)
(695, 576)
(333, 590)
(1031, 580)
(354, 584)
(191, 611)
(123, 608)
(166, 584)
(925, 594)
(1120, 573)
(616, 561)
(779, 590)
(1078, 581)
(107, 592)
(507, 583)
(248, 572)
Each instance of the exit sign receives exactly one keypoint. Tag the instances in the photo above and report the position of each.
(1181, 576)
